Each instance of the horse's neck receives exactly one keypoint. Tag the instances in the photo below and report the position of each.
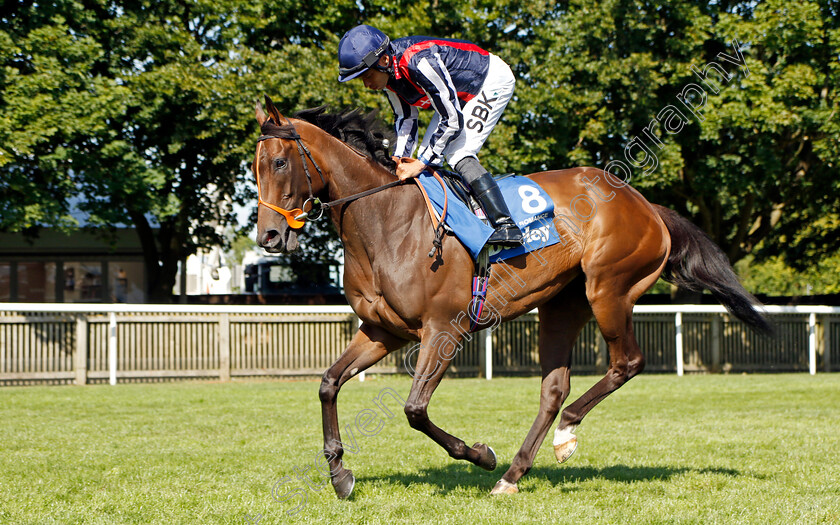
(371, 224)
(348, 171)
(352, 173)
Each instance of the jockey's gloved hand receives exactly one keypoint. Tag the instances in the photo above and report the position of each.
(408, 168)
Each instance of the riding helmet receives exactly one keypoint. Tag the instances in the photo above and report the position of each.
(359, 50)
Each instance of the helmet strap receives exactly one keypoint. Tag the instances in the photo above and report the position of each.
(388, 68)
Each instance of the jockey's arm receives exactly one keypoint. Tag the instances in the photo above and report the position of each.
(431, 75)
(405, 125)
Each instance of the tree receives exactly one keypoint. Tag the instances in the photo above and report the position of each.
(758, 159)
(775, 278)
(142, 114)
(52, 94)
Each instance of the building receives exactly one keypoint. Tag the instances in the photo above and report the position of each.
(83, 267)
(72, 267)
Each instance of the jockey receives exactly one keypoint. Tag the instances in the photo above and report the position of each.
(467, 87)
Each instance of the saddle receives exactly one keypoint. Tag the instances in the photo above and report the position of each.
(464, 193)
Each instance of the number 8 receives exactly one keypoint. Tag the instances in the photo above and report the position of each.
(531, 195)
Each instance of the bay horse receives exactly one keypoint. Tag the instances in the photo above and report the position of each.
(609, 260)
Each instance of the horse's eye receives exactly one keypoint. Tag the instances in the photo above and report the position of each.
(280, 164)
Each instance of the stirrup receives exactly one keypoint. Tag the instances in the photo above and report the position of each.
(506, 234)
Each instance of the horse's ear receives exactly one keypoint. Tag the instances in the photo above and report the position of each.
(272, 111)
(261, 116)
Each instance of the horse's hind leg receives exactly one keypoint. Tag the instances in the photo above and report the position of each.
(561, 320)
(612, 304)
(626, 361)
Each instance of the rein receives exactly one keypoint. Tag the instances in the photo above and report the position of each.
(296, 217)
(332, 204)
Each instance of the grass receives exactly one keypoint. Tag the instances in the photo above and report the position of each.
(697, 449)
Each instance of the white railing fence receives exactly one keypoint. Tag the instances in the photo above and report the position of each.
(84, 343)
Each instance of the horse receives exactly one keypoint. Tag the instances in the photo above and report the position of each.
(610, 258)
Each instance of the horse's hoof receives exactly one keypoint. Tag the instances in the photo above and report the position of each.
(565, 451)
(503, 487)
(565, 443)
(486, 456)
(344, 485)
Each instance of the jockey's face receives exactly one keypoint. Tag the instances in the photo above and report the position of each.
(374, 78)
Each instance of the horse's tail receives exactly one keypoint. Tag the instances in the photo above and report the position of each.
(697, 263)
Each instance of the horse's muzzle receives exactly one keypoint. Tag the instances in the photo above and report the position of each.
(276, 242)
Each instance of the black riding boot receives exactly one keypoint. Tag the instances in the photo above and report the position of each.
(490, 197)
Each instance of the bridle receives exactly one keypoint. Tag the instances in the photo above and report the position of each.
(296, 217)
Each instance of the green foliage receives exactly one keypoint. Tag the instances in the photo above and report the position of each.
(48, 101)
(774, 277)
(763, 162)
(142, 113)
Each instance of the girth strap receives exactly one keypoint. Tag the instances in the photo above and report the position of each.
(437, 243)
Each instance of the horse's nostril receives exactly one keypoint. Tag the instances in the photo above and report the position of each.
(269, 239)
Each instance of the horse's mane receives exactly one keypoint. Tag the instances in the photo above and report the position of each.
(363, 132)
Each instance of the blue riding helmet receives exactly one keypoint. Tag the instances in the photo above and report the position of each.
(359, 50)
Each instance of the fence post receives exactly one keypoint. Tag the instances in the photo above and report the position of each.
(488, 354)
(812, 343)
(679, 341)
(81, 349)
(112, 348)
(482, 355)
(602, 359)
(359, 325)
(716, 322)
(224, 347)
(827, 343)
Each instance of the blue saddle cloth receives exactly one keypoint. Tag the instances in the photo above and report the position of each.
(530, 208)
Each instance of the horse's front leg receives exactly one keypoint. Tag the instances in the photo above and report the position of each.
(437, 349)
(561, 320)
(369, 345)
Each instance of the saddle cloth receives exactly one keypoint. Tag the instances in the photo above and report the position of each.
(530, 208)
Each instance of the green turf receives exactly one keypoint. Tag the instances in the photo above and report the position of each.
(697, 449)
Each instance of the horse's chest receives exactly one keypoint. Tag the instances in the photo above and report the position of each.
(381, 299)
(366, 297)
